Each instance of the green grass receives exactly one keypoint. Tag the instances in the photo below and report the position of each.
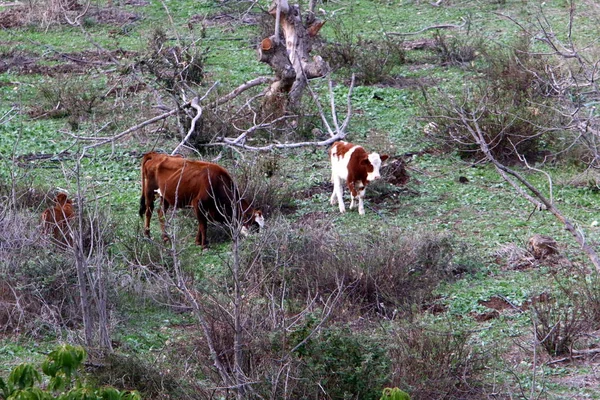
(484, 214)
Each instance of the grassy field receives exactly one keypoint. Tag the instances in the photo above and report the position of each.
(471, 307)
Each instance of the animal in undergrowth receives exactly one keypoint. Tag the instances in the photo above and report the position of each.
(207, 187)
(351, 163)
(56, 220)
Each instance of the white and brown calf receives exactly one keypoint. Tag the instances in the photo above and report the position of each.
(351, 163)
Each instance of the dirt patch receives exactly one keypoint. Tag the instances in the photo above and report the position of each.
(496, 303)
(112, 16)
(395, 173)
(17, 61)
(401, 82)
(324, 187)
(486, 316)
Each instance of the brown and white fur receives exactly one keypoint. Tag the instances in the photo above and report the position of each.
(351, 163)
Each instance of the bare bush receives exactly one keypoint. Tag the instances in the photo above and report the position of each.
(557, 325)
(512, 103)
(456, 50)
(431, 364)
(260, 181)
(386, 272)
(78, 98)
(41, 283)
(372, 61)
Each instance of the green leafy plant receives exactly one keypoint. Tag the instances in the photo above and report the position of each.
(63, 368)
(394, 394)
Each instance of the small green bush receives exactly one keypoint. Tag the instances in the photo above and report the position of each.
(66, 380)
(394, 394)
(345, 364)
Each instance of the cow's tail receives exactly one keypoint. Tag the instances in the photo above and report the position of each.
(142, 211)
(142, 205)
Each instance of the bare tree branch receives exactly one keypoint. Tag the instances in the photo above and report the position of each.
(470, 122)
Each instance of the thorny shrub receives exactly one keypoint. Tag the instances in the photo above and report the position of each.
(39, 278)
(455, 50)
(372, 61)
(385, 272)
(511, 105)
(77, 98)
(557, 325)
(259, 182)
(431, 364)
(173, 66)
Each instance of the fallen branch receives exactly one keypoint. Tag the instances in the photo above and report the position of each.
(470, 122)
(195, 104)
(429, 28)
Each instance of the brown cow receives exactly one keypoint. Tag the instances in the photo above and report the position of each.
(56, 220)
(206, 187)
(352, 164)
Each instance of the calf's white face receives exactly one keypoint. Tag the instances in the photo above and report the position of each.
(375, 161)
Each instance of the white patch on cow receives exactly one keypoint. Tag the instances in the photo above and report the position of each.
(339, 174)
(375, 161)
(159, 192)
(244, 231)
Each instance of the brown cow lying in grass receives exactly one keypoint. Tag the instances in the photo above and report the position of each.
(206, 187)
(56, 220)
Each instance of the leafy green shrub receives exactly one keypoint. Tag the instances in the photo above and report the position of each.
(66, 380)
(345, 364)
(394, 394)
(436, 364)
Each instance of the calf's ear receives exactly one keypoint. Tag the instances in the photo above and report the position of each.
(384, 157)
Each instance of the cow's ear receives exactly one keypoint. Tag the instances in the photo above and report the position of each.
(384, 157)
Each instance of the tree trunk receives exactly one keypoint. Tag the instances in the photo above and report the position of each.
(288, 55)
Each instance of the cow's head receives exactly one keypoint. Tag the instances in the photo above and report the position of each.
(253, 221)
(373, 164)
(61, 199)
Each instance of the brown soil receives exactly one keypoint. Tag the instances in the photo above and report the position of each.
(496, 303)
